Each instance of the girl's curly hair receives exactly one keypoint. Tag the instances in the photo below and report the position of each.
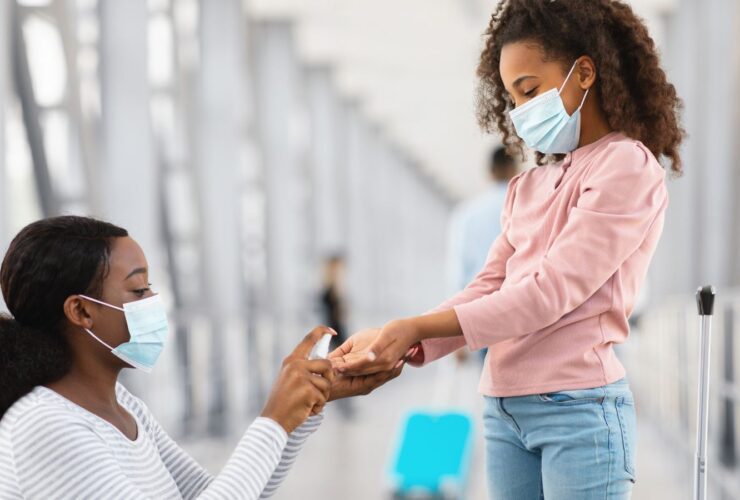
(632, 88)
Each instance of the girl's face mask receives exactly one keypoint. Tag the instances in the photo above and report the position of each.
(147, 325)
(544, 124)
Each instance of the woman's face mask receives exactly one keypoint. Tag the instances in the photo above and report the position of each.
(148, 327)
(544, 124)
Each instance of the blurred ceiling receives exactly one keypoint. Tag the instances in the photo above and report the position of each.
(411, 64)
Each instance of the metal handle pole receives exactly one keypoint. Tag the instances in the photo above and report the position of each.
(705, 303)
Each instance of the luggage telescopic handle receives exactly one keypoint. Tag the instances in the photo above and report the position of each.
(705, 304)
(705, 300)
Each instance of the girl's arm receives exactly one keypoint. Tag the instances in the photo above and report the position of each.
(487, 281)
(621, 200)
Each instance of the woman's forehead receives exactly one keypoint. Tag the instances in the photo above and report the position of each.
(126, 256)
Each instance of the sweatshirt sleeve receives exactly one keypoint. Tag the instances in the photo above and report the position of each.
(487, 281)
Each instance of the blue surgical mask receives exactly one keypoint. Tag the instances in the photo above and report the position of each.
(147, 325)
(544, 124)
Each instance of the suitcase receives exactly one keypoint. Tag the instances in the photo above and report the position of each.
(433, 457)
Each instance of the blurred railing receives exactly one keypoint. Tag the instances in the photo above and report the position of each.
(663, 363)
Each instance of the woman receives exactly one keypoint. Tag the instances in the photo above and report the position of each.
(83, 310)
(580, 82)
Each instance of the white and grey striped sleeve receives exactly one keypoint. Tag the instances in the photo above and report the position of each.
(295, 442)
(58, 456)
(251, 465)
(255, 469)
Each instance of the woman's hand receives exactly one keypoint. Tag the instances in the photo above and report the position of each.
(377, 350)
(303, 387)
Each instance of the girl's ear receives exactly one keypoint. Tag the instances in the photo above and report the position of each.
(586, 71)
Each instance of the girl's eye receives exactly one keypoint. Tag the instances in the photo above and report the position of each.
(530, 92)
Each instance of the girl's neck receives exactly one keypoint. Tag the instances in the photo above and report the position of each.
(594, 124)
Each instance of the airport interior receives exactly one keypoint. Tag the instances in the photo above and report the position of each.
(261, 151)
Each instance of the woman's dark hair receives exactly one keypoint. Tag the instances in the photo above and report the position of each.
(631, 86)
(47, 261)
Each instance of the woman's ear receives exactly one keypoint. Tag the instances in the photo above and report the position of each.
(75, 309)
(586, 71)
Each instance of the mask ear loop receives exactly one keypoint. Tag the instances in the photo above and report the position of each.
(566, 81)
(568, 76)
(101, 302)
(104, 304)
(99, 339)
(583, 100)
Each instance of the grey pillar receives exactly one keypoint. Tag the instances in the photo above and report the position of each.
(359, 249)
(221, 127)
(283, 126)
(701, 218)
(129, 176)
(327, 163)
(719, 142)
(4, 75)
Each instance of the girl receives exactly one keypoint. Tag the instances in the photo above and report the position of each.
(579, 81)
(83, 310)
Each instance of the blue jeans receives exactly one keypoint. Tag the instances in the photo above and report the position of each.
(566, 445)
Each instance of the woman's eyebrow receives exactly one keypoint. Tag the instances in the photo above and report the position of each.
(138, 270)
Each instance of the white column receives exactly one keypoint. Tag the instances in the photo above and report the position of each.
(283, 126)
(220, 124)
(326, 137)
(129, 176)
(359, 237)
(681, 240)
(719, 162)
(4, 89)
(701, 217)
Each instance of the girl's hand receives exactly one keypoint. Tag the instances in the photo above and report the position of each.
(377, 350)
(303, 387)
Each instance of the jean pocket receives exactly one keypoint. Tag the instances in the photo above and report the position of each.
(628, 430)
(576, 397)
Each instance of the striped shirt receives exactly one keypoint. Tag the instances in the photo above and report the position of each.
(51, 448)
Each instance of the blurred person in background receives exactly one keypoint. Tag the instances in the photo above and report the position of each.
(332, 301)
(580, 82)
(82, 310)
(475, 225)
(333, 306)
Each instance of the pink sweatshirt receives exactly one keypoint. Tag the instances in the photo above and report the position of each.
(561, 279)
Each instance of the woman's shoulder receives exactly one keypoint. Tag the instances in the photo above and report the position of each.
(38, 411)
